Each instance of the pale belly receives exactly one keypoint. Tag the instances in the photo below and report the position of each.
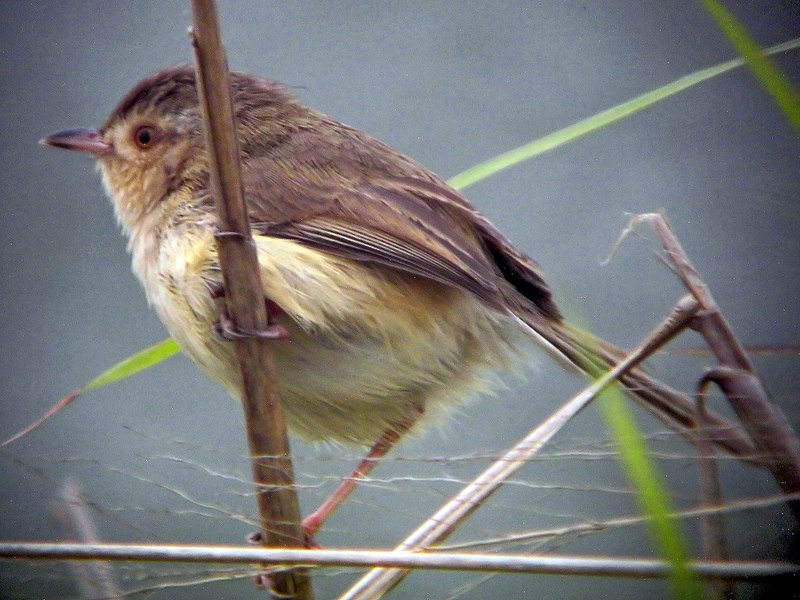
(361, 352)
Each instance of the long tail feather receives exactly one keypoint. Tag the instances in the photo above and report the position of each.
(590, 355)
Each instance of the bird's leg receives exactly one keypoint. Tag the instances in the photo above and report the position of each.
(313, 522)
(226, 329)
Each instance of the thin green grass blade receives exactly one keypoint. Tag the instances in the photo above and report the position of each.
(144, 359)
(140, 361)
(651, 494)
(765, 71)
(581, 128)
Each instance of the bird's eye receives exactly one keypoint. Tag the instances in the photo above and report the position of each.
(144, 136)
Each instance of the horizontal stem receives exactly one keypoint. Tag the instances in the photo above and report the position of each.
(612, 566)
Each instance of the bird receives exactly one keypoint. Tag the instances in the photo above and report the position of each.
(391, 298)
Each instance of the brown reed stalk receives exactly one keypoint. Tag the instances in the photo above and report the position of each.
(764, 421)
(267, 437)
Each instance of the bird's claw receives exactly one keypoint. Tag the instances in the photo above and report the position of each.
(264, 580)
(226, 330)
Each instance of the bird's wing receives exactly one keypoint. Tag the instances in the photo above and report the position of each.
(350, 198)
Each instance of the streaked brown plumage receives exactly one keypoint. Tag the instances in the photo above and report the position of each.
(397, 294)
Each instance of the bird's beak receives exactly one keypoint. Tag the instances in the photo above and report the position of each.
(80, 139)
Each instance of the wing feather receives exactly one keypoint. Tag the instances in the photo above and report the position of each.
(349, 194)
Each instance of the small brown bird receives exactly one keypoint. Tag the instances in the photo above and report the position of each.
(396, 296)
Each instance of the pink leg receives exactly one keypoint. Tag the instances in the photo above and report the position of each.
(313, 522)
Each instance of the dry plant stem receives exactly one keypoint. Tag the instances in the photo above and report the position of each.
(716, 329)
(66, 400)
(714, 542)
(615, 566)
(764, 421)
(266, 427)
(766, 424)
(379, 581)
(587, 528)
(95, 578)
(715, 545)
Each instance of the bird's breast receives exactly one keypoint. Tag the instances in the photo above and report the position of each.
(366, 344)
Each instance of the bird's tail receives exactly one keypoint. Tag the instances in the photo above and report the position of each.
(591, 355)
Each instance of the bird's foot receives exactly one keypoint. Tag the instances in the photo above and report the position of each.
(264, 580)
(226, 329)
(308, 537)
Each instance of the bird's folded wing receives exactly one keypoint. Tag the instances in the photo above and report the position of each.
(393, 213)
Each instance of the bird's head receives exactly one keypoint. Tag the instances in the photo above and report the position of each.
(152, 144)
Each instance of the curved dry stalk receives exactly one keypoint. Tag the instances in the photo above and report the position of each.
(763, 420)
(715, 543)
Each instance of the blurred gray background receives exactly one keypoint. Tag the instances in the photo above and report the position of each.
(160, 457)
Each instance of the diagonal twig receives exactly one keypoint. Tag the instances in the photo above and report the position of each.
(380, 580)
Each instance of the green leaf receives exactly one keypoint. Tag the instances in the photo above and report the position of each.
(581, 128)
(650, 492)
(766, 72)
(140, 361)
(144, 359)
